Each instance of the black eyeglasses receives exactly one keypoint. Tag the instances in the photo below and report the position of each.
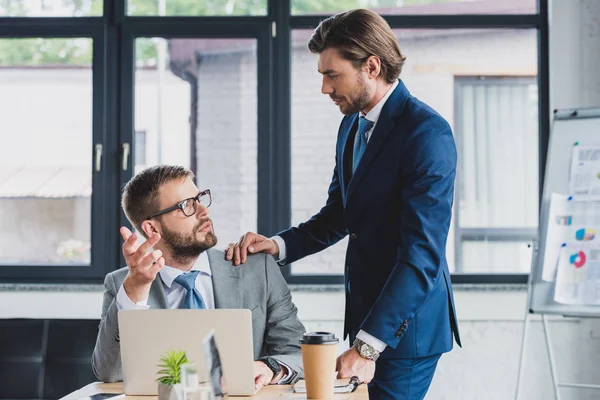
(188, 206)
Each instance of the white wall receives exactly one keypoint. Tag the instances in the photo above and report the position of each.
(574, 53)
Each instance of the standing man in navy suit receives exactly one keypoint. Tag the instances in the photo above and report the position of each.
(392, 192)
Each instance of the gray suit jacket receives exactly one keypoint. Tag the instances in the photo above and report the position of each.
(257, 286)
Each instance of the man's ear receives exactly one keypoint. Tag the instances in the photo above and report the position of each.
(150, 227)
(373, 67)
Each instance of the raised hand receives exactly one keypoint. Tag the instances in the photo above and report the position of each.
(143, 264)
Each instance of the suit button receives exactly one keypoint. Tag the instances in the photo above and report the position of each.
(353, 236)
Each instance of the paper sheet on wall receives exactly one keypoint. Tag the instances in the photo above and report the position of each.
(569, 222)
(584, 180)
(578, 275)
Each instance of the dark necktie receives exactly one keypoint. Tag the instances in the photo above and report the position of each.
(360, 142)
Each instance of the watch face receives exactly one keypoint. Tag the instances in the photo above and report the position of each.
(364, 349)
(273, 365)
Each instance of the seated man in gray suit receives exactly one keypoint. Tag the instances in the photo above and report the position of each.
(183, 271)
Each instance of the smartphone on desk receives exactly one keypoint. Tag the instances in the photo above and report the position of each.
(105, 396)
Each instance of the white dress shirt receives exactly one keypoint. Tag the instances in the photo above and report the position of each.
(372, 116)
(176, 294)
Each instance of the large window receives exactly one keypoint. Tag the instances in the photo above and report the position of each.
(496, 213)
(45, 188)
(96, 90)
(196, 99)
(52, 8)
(463, 74)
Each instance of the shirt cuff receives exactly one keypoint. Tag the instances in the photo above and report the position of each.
(125, 303)
(282, 253)
(371, 341)
(287, 378)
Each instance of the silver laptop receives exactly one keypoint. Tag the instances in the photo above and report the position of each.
(146, 335)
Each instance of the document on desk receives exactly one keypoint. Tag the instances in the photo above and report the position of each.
(350, 387)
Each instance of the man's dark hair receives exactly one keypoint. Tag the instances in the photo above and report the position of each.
(140, 194)
(357, 35)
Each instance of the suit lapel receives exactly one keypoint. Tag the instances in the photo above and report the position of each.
(384, 126)
(344, 152)
(227, 281)
(157, 298)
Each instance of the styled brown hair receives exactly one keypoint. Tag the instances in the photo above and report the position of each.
(357, 35)
(140, 194)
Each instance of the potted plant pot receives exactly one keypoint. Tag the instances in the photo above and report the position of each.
(169, 380)
(170, 392)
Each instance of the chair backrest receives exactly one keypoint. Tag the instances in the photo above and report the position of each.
(45, 359)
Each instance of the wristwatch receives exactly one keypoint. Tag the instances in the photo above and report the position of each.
(273, 365)
(366, 350)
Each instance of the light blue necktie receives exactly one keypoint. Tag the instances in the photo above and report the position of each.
(193, 298)
(360, 141)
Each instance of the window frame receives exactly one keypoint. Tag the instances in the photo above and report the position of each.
(114, 34)
(72, 27)
(530, 21)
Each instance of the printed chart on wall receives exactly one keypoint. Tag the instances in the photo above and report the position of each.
(584, 182)
(578, 275)
(569, 222)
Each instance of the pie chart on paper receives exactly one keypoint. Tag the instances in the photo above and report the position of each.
(585, 234)
(578, 259)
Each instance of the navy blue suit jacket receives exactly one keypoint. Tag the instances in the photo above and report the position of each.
(396, 208)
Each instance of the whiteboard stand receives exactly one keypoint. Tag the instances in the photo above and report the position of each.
(569, 127)
(548, 341)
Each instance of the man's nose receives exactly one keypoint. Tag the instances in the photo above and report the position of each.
(201, 211)
(326, 88)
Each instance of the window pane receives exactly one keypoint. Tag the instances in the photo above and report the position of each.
(484, 257)
(435, 61)
(196, 101)
(50, 8)
(196, 7)
(405, 7)
(498, 141)
(45, 172)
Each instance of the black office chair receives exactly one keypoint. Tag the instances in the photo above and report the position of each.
(45, 359)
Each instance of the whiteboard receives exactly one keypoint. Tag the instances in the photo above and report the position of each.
(572, 126)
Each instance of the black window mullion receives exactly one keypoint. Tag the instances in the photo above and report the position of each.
(281, 154)
(125, 115)
(543, 92)
(114, 12)
(50, 27)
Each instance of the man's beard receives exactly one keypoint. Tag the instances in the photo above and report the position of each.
(357, 102)
(185, 247)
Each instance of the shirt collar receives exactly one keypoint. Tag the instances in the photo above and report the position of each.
(373, 115)
(168, 274)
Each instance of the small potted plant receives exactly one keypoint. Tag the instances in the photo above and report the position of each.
(169, 381)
